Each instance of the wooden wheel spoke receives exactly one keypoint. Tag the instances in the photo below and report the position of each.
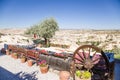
(84, 53)
(89, 53)
(96, 60)
(80, 56)
(94, 54)
(78, 60)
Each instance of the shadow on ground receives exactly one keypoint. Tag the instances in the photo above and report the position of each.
(117, 70)
(2, 54)
(7, 75)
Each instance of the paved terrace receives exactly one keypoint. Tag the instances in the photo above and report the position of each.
(11, 69)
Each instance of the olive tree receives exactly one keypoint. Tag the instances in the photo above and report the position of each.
(45, 29)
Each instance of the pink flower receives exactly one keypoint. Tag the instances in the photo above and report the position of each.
(43, 63)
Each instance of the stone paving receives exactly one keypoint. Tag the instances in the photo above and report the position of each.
(11, 69)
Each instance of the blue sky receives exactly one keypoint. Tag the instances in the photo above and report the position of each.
(70, 14)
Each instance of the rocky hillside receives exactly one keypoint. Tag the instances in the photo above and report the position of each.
(105, 39)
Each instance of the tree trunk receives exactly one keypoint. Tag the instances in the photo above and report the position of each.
(46, 42)
(35, 36)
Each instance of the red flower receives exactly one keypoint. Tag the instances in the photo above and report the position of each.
(43, 51)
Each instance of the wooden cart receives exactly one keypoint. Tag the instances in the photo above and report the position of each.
(93, 59)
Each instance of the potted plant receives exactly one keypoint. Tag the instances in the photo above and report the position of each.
(64, 75)
(30, 62)
(23, 59)
(15, 55)
(7, 52)
(82, 75)
(43, 66)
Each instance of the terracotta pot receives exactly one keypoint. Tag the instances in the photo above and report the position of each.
(44, 69)
(64, 75)
(23, 60)
(15, 56)
(77, 78)
(12, 55)
(30, 62)
(7, 52)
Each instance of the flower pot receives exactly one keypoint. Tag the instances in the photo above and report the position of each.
(44, 69)
(64, 75)
(7, 52)
(12, 55)
(77, 78)
(15, 57)
(30, 62)
(23, 60)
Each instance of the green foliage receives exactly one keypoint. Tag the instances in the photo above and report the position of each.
(78, 42)
(117, 56)
(83, 74)
(86, 75)
(95, 43)
(23, 57)
(15, 54)
(46, 29)
(38, 41)
(115, 50)
(78, 73)
(32, 30)
(60, 45)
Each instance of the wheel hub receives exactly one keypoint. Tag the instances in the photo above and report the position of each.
(88, 64)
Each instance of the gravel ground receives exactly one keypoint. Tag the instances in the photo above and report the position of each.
(11, 69)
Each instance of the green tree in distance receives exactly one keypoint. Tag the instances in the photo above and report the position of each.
(45, 29)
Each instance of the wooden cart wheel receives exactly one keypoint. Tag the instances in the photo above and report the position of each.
(92, 59)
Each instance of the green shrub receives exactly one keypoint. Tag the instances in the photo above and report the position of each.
(117, 56)
(59, 45)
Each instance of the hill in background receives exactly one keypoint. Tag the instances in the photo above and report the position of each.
(105, 39)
